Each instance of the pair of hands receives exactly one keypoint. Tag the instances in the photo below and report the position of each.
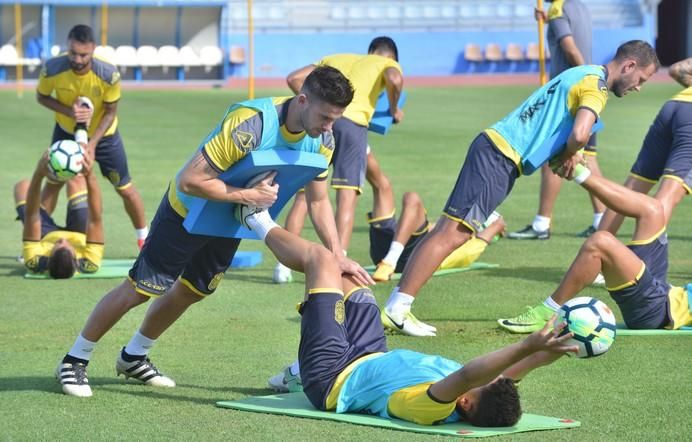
(549, 339)
(43, 169)
(564, 165)
(82, 110)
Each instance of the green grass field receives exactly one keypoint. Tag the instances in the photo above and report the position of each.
(226, 347)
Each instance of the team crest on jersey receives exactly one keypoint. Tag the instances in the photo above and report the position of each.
(339, 311)
(86, 266)
(114, 177)
(115, 77)
(244, 140)
(95, 91)
(215, 281)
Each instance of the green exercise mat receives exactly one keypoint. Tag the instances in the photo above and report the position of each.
(110, 268)
(622, 330)
(296, 404)
(473, 266)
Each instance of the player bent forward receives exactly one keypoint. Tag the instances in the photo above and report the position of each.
(343, 354)
(635, 274)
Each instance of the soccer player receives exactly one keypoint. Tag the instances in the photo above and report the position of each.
(346, 366)
(635, 274)
(370, 74)
(61, 251)
(569, 40)
(187, 268)
(501, 153)
(70, 77)
(666, 154)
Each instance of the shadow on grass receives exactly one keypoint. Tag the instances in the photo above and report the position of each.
(46, 384)
(540, 274)
(161, 393)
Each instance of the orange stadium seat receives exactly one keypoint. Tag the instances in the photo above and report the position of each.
(473, 55)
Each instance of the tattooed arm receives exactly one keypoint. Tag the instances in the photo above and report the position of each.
(199, 179)
(682, 72)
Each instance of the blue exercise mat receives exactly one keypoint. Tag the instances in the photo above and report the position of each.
(294, 170)
(382, 120)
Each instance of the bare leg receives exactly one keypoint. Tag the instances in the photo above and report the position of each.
(592, 164)
(295, 220)
(447, 236)
(602, 252)
(383, 195)
(670, 193)
(20, 191)
(412, 217)
(49, 196)
(345, 210)
(133, 206)
(110, 309)
(166, 309)
(612, 220)
(550, 188)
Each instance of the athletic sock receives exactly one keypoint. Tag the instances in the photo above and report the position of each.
(81, 349)
(399, 302)
(142, 233)
(261, 223)
(551, 304)
(395, 250)
(541, 223)
(139, 345)
(597, 219)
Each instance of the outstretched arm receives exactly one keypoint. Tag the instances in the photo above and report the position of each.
(484, 369)
(394, 83)
(94, 231)
(32, 209)
(682, 72)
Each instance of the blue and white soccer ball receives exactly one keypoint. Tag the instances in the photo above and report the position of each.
(592, 323)
(65, 159)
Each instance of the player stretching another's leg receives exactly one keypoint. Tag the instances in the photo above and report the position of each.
(635, 274)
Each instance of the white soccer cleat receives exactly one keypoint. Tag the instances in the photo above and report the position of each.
(282, 274)
(406, 324)
(144, 371)
(286, 381)
(73, 378)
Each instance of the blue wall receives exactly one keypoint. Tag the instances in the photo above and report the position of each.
(420, 53)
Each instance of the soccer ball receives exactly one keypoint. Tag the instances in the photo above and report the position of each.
(65, 159)
(592, 323)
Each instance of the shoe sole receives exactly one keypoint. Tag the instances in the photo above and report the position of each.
(518, 329)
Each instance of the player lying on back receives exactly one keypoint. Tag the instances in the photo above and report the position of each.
(346, 366)
(635, 274)
(61, 251)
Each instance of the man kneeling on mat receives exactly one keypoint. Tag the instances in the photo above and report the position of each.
(346, 367)
(61, 251)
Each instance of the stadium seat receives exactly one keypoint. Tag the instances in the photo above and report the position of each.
(493, 54)
(210, 57)
(189, 58)
(8, 55)
(147, 56)
(125, 57)
(473, 56)
(106, 53)
(532, 55)
(515, 55)
(168, 57)
(236, 55)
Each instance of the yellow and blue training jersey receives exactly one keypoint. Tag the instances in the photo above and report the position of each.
(89, 255)
(522, 134)
(101, 84)
(248, 126)
(395, 384)
(366, 74)
(685, 95)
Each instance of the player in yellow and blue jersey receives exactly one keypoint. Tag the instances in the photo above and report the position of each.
(635, 274)
(346, 367)
(186, 268)
(370, 74)
(514, 146)
(61, 251)
(666, 153)
(64, 80)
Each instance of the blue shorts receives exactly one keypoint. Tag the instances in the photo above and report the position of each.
(170, 252)
(645, 303)
(75, 219)
(110, 155)
(485, 180)
(667, 147)
(350, 156)
(333, 334)
(382, 234)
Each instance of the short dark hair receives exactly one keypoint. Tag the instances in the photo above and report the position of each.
(384, 43)
(82, 34)
(639, 50)
(61, 264)
(498, 405)
(329, 85)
